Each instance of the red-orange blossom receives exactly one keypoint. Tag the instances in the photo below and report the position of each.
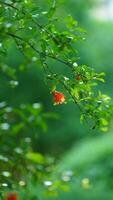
(11, 196)
(58, 97)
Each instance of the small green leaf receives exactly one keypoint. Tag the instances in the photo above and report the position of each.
(70, 22)
(35, 157)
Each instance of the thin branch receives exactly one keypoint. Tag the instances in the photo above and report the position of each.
(20, 48)
(9, 5)
(59, 60)
(34, 48)
(22, 39)
(42, 28)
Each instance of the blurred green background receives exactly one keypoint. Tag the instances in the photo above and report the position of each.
(88, 153)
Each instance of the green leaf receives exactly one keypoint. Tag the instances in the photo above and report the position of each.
(35, 157)
(70, 22)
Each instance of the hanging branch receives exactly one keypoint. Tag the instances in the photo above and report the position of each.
(57, 45)
(41, 28)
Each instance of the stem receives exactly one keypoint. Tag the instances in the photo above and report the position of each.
(36, 50)
(9, 5)
(22, 39)
(42, 28)
(59, 60)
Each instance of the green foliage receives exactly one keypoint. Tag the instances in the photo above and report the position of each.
(55, 44)
(38, 36)
(17, 159)
(91, 164)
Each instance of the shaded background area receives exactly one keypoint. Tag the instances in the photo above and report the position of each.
(67, 132)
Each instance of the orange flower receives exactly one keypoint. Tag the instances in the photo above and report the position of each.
(58, 98)
(11, 196)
